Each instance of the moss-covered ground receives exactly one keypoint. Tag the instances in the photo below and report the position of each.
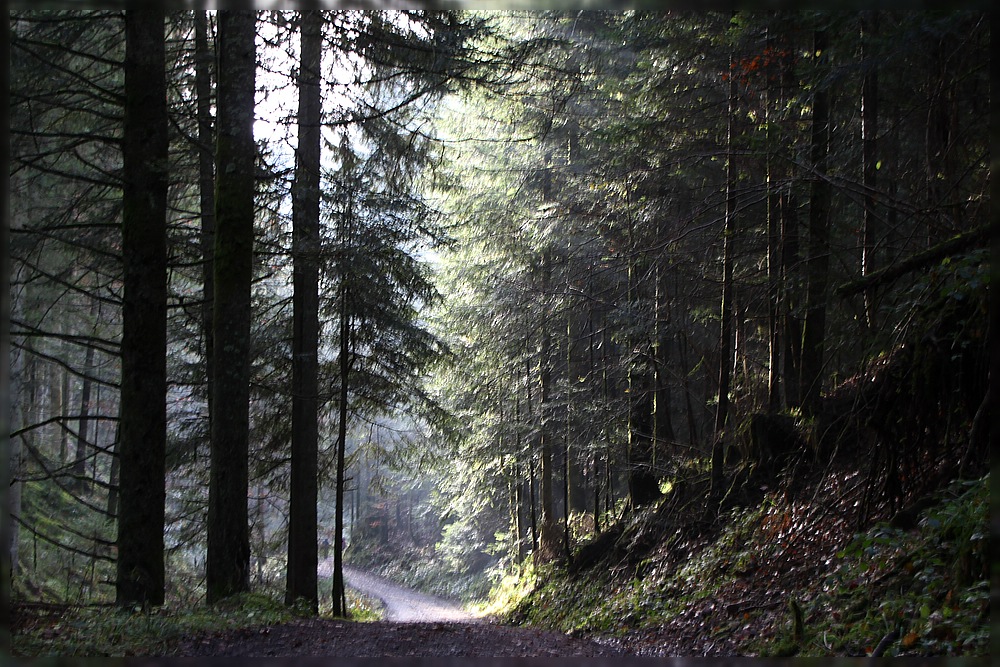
(780, 576)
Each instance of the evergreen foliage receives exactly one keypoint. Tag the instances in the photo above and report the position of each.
(566, 275)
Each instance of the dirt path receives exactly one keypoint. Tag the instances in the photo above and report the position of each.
(402, 604)
(333, 638)
(417, 625)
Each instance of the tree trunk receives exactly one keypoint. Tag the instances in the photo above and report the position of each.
(870, 226)
(726, 315)
(663, 427)
(114, 474)
(228, 562)
(532, 495)
(943, 219)
(22, 408)
(773, 246)
(339, 599)
(337, 593)
(813, 335)
(643, 484)
(522, 479)
(203, 59)
(142, 450)
(548, 533)
(64, 400)
(301, 580)
(83, 430)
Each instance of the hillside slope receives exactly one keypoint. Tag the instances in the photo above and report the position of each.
(785, 577)
(864, 530)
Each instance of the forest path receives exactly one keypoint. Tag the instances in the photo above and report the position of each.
(401, 604)
(415, 625)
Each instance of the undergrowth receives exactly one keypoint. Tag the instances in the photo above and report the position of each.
(774, 580)
(111, 631)
(927, 588)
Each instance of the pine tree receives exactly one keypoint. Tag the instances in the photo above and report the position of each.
(228, 561)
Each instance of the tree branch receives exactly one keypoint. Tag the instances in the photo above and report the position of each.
(890, 273)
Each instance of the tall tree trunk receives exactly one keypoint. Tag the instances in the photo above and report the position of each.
(643, 484)
(791, 325)
(532, 493)
(203, 60)
(518, 514)
(548, 537)
(813, 335)
(663, 427)
(942, 221)
(548, 532)
(143, 418)
(726, 314)
(114, 474)
(83, 430)
(64, 409)
(773, 245)
(21, 414)
(789, 329)
(870, 227)
(300, 581)
(567, 435)
(338, 594)
(228, 561)
(348, 160)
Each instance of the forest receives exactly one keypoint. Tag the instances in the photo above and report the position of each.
(534, 310)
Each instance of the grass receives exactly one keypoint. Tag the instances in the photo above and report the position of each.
(110, 631)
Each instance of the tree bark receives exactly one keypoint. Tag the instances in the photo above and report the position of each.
(814, 328)
(142, 450)
(726, 314)
(663, 427)
(114, 475)
(772, 101)
(228, 561)
(346, 231)
(203, 59)
(870, 227)
(337, 593)
(548, 534)
(64, 400)
(643, 484)
(301, 579)
(83, 431)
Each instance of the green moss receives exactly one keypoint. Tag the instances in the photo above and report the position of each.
(932, 583)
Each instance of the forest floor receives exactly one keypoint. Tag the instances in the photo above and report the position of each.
(781, 577)
(415, 624)
(337, 638)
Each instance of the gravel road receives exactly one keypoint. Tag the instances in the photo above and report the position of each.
(402, 604)
(415, 625)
